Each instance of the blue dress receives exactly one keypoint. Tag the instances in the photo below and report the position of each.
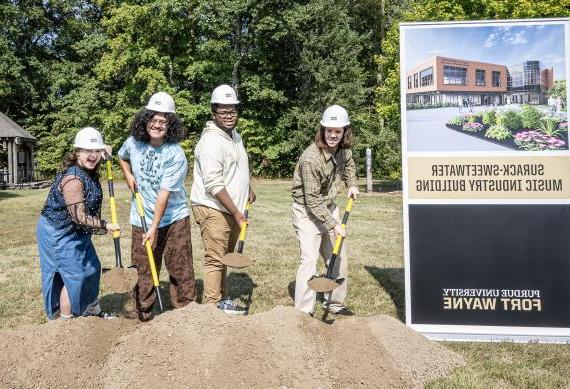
(67, 254)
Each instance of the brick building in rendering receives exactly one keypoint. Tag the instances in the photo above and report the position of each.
(453, 81)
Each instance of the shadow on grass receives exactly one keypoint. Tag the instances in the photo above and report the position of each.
(383, 186)
(8, 195)
(392, 281)
(240, 286)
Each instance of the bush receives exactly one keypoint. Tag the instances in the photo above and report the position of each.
(472, 127)
(530, 116)
(511, 119)
(548, 125)
(473, 117)
(456, 121)
(498, 132)
(490, 117)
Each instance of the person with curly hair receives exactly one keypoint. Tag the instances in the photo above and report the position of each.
(154, 164)
(70, 267)
(322, 169)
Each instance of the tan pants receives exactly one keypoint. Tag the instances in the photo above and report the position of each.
(219, 233)
(315, 240)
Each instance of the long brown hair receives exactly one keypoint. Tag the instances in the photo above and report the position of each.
(345, 143)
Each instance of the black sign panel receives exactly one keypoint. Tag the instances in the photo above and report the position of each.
(493, 265)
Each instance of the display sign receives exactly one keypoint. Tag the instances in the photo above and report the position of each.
(486, 179)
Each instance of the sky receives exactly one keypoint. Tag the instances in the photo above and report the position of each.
(504, 44)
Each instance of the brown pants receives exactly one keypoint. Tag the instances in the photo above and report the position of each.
(219, 233)
(174, 242)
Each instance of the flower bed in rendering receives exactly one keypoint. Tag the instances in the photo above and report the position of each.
(520, 129)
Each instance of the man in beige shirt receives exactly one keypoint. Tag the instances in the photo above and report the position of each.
(220, 191)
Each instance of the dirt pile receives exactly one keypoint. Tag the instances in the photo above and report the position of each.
(119, 280)
(59, 354)
(199, 346)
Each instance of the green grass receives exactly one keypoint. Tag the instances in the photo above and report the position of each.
(376, 277)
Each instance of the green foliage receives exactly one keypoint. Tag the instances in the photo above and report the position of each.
(530, 116)
(511, 120)
(490, 117)
(457, 120)
(549, 126)
(559, 90)
(498, 132)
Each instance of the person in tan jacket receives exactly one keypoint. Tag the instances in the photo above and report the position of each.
(220, 190)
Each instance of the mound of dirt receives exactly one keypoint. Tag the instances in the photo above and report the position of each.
(199, 346)
(119, 280)
(59, 354)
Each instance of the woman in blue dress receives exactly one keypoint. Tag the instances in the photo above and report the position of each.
(70, 268)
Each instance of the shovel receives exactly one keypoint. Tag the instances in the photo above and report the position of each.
(149, 252)
(119, 279)
(237, 259)
(327, 283)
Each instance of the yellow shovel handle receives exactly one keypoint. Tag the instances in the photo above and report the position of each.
(140, 209)
(116, 234)
(244, 225)
(339, 237)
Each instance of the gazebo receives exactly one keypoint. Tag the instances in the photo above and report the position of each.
(17, 157)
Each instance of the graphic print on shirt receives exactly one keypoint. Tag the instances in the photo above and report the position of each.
(150, 165)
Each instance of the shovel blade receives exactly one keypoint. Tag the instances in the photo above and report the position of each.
(322, 284)
(236, 260)
(119, 279)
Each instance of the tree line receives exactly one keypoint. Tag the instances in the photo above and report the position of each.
(65, 64)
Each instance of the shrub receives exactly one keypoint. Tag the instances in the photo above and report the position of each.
(548, 125)
(511, 119)
(472, 127)
(473, 117)
(456, 121)
(530, 116)
(498, 132)
(490, 117)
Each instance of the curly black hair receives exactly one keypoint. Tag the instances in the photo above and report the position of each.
(176, 130)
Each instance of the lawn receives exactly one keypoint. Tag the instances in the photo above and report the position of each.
(376, 277)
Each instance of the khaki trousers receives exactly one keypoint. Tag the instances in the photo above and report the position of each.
(315, 240)
(219, 233)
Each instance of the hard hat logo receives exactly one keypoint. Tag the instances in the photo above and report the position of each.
(161, 102)
(224, 94)
(335, 116)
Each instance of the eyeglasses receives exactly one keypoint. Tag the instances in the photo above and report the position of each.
(226, 114)
(158, 122)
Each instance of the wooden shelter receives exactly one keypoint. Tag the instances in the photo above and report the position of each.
(17, 157)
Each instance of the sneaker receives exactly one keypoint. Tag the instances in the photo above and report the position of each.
(231, 307)
(339, 310)
(344, 311)
(105, 315)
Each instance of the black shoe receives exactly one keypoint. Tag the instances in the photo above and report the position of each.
(344, 311)
(105, 315)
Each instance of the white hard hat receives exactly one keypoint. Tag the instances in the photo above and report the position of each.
(335, 116)
(88, 138)
(161, 102)
(224, 94)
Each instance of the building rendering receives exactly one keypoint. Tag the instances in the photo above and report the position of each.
(457, 82)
